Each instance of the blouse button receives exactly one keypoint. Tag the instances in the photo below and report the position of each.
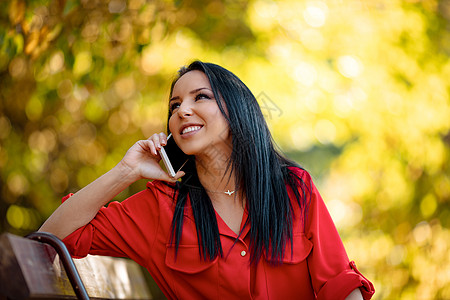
(243, 253)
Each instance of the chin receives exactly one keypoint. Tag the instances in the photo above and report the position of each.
(190, 150)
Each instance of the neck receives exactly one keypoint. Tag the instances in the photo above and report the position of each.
(214, 173)
(220, 184)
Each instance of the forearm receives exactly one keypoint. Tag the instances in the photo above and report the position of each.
(355, 295)
(82, 207)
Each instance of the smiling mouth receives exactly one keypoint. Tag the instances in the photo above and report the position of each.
(190, 129)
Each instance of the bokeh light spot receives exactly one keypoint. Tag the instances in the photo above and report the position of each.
(151, 62)
(125, 87)
(83, 63)
(266, 9)
(15, 216)
(44, 141)
(396, 255)
(315, 101)
(5, 126)
(302, 137)
(56, 62)
(315, 13)
(117, 6)
(349, 66)
(428, 205)
(312, 39)
(118, 122)
(264, 15)
(65, 88)
(305, 74)
(422, 232)
(338, 211)
(17, 183)
(59, 180)
(18, 67)
(325, 131)
(34, 109)
(90, 31)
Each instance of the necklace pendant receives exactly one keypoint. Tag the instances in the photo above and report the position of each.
(229, 193)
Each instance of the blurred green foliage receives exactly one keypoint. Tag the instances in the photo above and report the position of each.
(356, 91)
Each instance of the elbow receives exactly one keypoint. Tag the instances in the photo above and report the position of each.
(355, 295)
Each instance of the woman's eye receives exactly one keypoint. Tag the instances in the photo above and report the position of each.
(202, 96)
(174, 106)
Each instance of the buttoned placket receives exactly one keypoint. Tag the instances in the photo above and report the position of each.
(236, 258)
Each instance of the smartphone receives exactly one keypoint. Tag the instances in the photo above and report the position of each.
(172, 156)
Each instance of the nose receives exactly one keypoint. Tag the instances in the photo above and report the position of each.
(185, 109)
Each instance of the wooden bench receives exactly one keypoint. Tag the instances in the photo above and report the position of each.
(31, 269)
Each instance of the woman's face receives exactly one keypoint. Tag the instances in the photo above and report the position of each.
(196, 122)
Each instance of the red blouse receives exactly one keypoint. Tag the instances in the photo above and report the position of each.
(140, 226)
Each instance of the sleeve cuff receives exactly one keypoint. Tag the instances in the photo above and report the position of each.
(79, 242)
(66, 197)
(344, 283)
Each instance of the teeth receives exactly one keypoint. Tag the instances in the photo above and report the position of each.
(190, 128)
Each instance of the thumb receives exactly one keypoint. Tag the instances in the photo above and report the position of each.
(166, 177)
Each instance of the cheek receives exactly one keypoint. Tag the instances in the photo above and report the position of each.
(222, 128)
(172, 124)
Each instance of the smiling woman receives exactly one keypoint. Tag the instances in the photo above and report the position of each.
(240, 221)
(196, 120)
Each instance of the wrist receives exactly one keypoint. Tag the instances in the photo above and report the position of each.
(126, 173)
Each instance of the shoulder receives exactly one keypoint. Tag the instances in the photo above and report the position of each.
(161, 190)
(156, 200)
(299, 173)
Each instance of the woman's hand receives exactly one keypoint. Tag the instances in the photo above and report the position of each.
(142, 159)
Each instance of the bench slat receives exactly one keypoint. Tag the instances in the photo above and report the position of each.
(29, 269)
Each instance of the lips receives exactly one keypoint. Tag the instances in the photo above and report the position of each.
(190, 128)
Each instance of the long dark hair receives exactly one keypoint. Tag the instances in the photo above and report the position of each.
(260, 171)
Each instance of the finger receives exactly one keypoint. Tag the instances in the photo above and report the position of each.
(179, 175)
(153, 148)
(154, 138)
(158, 137)
(167, 177)
(163, 138)
(148, 145)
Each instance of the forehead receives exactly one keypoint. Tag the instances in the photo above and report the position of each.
(190, 81)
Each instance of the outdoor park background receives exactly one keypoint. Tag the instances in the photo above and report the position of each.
(355, 91)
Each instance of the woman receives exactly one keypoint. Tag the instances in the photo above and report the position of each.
(239, 222)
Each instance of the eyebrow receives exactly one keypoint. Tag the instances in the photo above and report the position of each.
(191, 92)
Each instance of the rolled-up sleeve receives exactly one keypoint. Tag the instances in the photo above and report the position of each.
(125, 229)
(333, 276)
